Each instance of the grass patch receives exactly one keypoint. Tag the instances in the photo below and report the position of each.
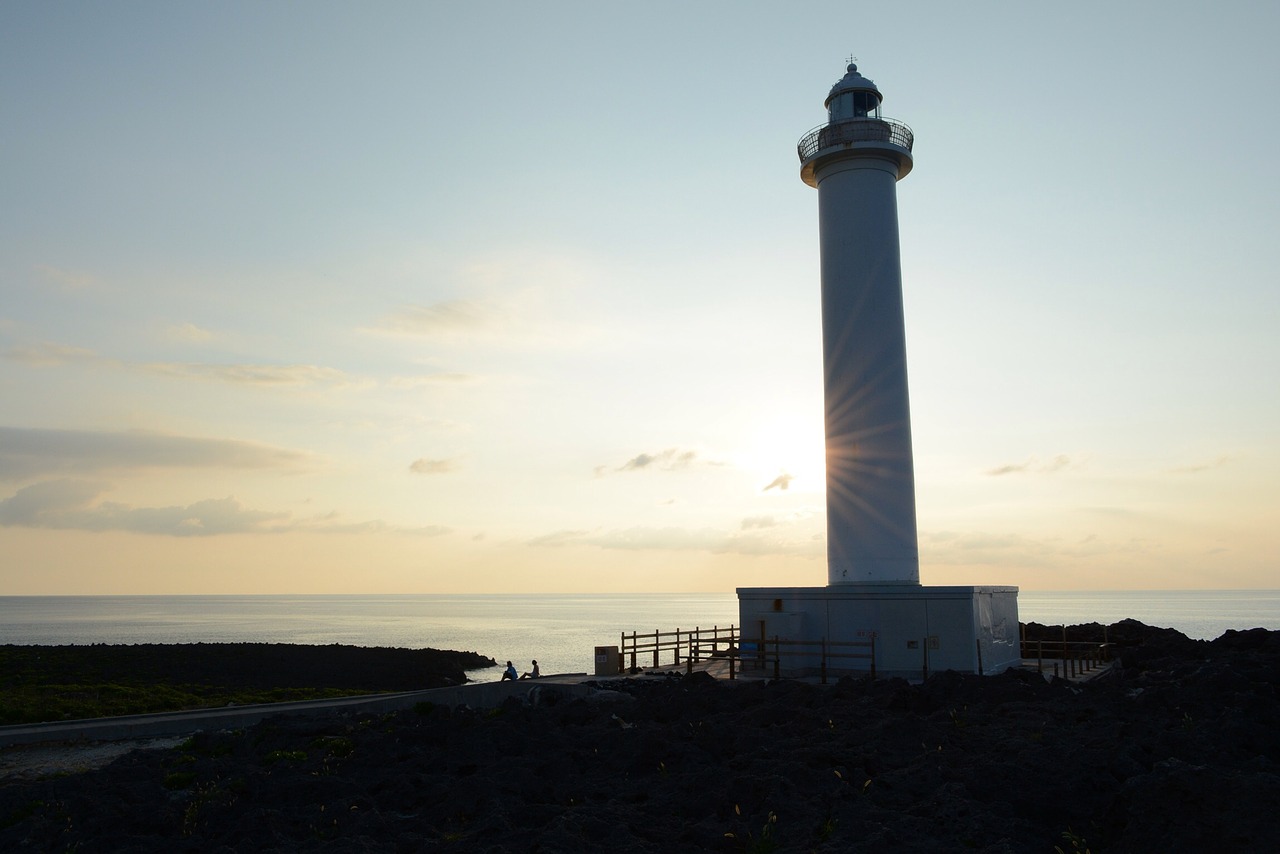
(179, 780)
(28, 704)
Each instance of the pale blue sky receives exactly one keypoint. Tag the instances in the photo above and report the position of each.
(313, 297)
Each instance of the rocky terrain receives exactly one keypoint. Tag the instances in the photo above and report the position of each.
(1178, 749)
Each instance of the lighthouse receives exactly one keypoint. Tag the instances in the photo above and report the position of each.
(855, 161)
(874, 615)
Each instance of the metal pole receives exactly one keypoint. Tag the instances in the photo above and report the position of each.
(777, 659)
(824, 661)
(978, 642)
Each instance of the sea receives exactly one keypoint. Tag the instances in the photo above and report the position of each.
(560, 631)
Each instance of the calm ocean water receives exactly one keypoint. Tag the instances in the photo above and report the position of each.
(561, 631)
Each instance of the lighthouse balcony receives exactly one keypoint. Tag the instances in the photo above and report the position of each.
(848, 131)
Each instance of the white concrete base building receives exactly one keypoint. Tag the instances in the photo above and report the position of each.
(906, 630)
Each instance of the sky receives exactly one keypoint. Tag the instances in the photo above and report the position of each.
(315, 297)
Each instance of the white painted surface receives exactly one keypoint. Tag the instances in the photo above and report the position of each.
(871, 516)
(917, 630)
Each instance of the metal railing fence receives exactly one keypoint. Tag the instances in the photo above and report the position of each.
(868, 129)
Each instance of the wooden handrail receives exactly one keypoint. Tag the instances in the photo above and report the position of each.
(692, 644)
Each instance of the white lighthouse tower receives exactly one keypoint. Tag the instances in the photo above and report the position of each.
(873, 610)
(855, 160)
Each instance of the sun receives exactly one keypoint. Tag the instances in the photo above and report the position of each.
(785, 453)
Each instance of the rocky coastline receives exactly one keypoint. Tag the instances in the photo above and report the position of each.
(1176, 749)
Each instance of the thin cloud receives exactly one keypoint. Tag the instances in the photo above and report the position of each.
(1012, 550)
(671, 459)
(439, 318)
(683, 539)
(441, 378)
(782, 482)
(70, 504)
(50, 355)
(557, 538)
(253, 375)
(331, 524)
(1196, 468)
(703, 540)
(188, 333)
(1034, 465)
(27, 453)
(67, 280)
(758, 522)
(423, 465)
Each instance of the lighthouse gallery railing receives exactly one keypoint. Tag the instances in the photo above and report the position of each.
(854, 130)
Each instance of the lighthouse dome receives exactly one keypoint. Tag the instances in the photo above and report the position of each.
(854, 96)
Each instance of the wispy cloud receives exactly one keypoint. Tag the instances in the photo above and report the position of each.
(671, 459)
(442, 378)
(683, 539)
(782, 482)
(1019, 551)
(423, 465)
(27, 452)
(70, 504)
(1195, 468)
(441, 318)
(1035, 465)
(557, 538)
(67, 280)
(253, 375)
(334, 523)
(188, 333)
(50, 355)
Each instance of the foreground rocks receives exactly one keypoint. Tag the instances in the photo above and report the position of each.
(1178, 750)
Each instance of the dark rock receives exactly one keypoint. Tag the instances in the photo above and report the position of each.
(1178, 751)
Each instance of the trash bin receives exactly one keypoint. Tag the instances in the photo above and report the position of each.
(607, 661)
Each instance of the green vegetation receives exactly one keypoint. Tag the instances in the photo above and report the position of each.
(180, 780)
(38, 703)
(55, 683)
(1076, 844)
(336, 746)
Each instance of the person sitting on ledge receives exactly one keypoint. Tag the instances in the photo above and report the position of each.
(509, 673)
(533, 674)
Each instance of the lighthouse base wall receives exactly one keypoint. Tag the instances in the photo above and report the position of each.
(905, 630)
